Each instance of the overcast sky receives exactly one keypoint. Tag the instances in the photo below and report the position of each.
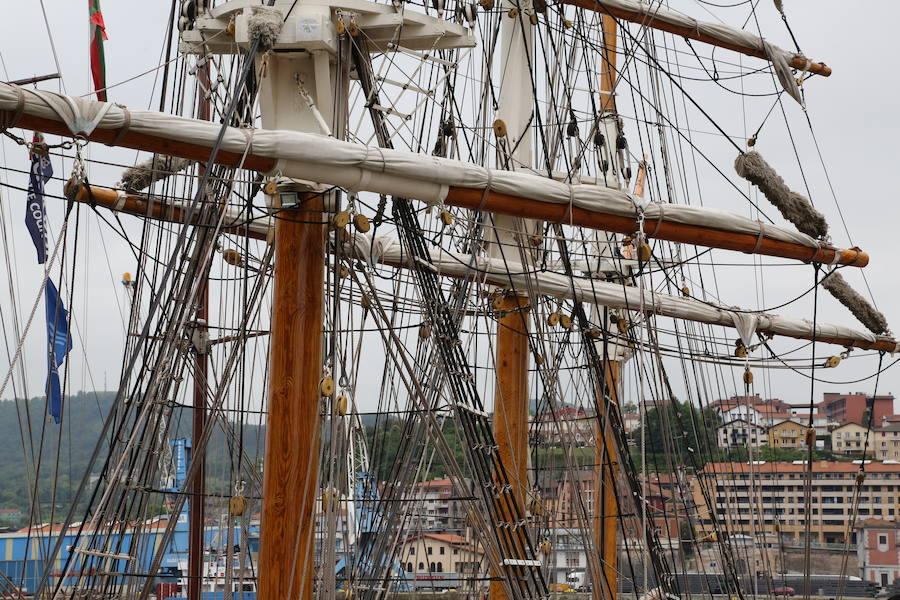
(854, 114)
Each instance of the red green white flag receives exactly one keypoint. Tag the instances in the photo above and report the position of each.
(98, 61)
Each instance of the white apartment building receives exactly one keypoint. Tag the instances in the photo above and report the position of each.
(740, 433)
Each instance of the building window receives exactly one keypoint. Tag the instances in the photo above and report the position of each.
(430, 549)
(882, 540)
(409, 567)
(421, 566)
(441, 550)
(412, 549)
(455, 551)
(440, 568)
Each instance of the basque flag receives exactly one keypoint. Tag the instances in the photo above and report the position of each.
(41, 171)
(59, 342)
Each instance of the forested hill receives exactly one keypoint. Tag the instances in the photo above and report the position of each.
(60, 473)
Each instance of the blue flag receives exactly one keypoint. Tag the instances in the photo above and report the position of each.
(59, 342)
(41, 171)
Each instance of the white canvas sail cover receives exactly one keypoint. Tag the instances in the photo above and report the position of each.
(332, 162)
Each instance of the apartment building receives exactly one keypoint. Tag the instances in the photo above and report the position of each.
(787, 434)
(751, 498)
(851, 439)
(438, 507)
(843, 408)
(740, 433)
(885, 443)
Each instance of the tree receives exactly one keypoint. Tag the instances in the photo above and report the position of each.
(680, 428)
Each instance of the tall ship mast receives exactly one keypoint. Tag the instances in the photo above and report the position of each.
(428, 298)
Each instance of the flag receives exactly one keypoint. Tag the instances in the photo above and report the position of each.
(40, 173)
(59, 342)
(98, 61)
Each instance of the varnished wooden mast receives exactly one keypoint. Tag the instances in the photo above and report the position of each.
(286, 555)
(511, 408)
(197, 500)
(606, 507)
(606, 513)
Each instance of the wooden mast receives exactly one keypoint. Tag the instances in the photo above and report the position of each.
(512, 130)
(291, 472)
(286, 566)
(197, 499)
(606, 513)
(606, 465)
(511, 409)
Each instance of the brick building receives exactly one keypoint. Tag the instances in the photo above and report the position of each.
(844, 408)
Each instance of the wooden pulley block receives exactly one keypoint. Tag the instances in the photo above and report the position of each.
(595, 333)
(748, 376)
(486, 4)
(565, 321)
(553, 319)
(500, 128)
(533, 18)
(341, 219)
(271, 188)
(622, 326)
(343, 272)
(686, 291)
(361, 223)
(233, 257)
(567, 23)
(342, 405)
(832, 361)
(645, 252)
(424, 331)
(513, 13)
(237, 505)
(538, 359)
(365, 302)
(446, 218)
(740, 351)
(327, 387)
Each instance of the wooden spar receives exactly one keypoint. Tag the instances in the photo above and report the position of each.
(109, 198)
(646, 19)
(505, 204)
(286, 565)
(511, 410)
(136, 204)
(606, 506)
(698, 235)
(475, 199)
